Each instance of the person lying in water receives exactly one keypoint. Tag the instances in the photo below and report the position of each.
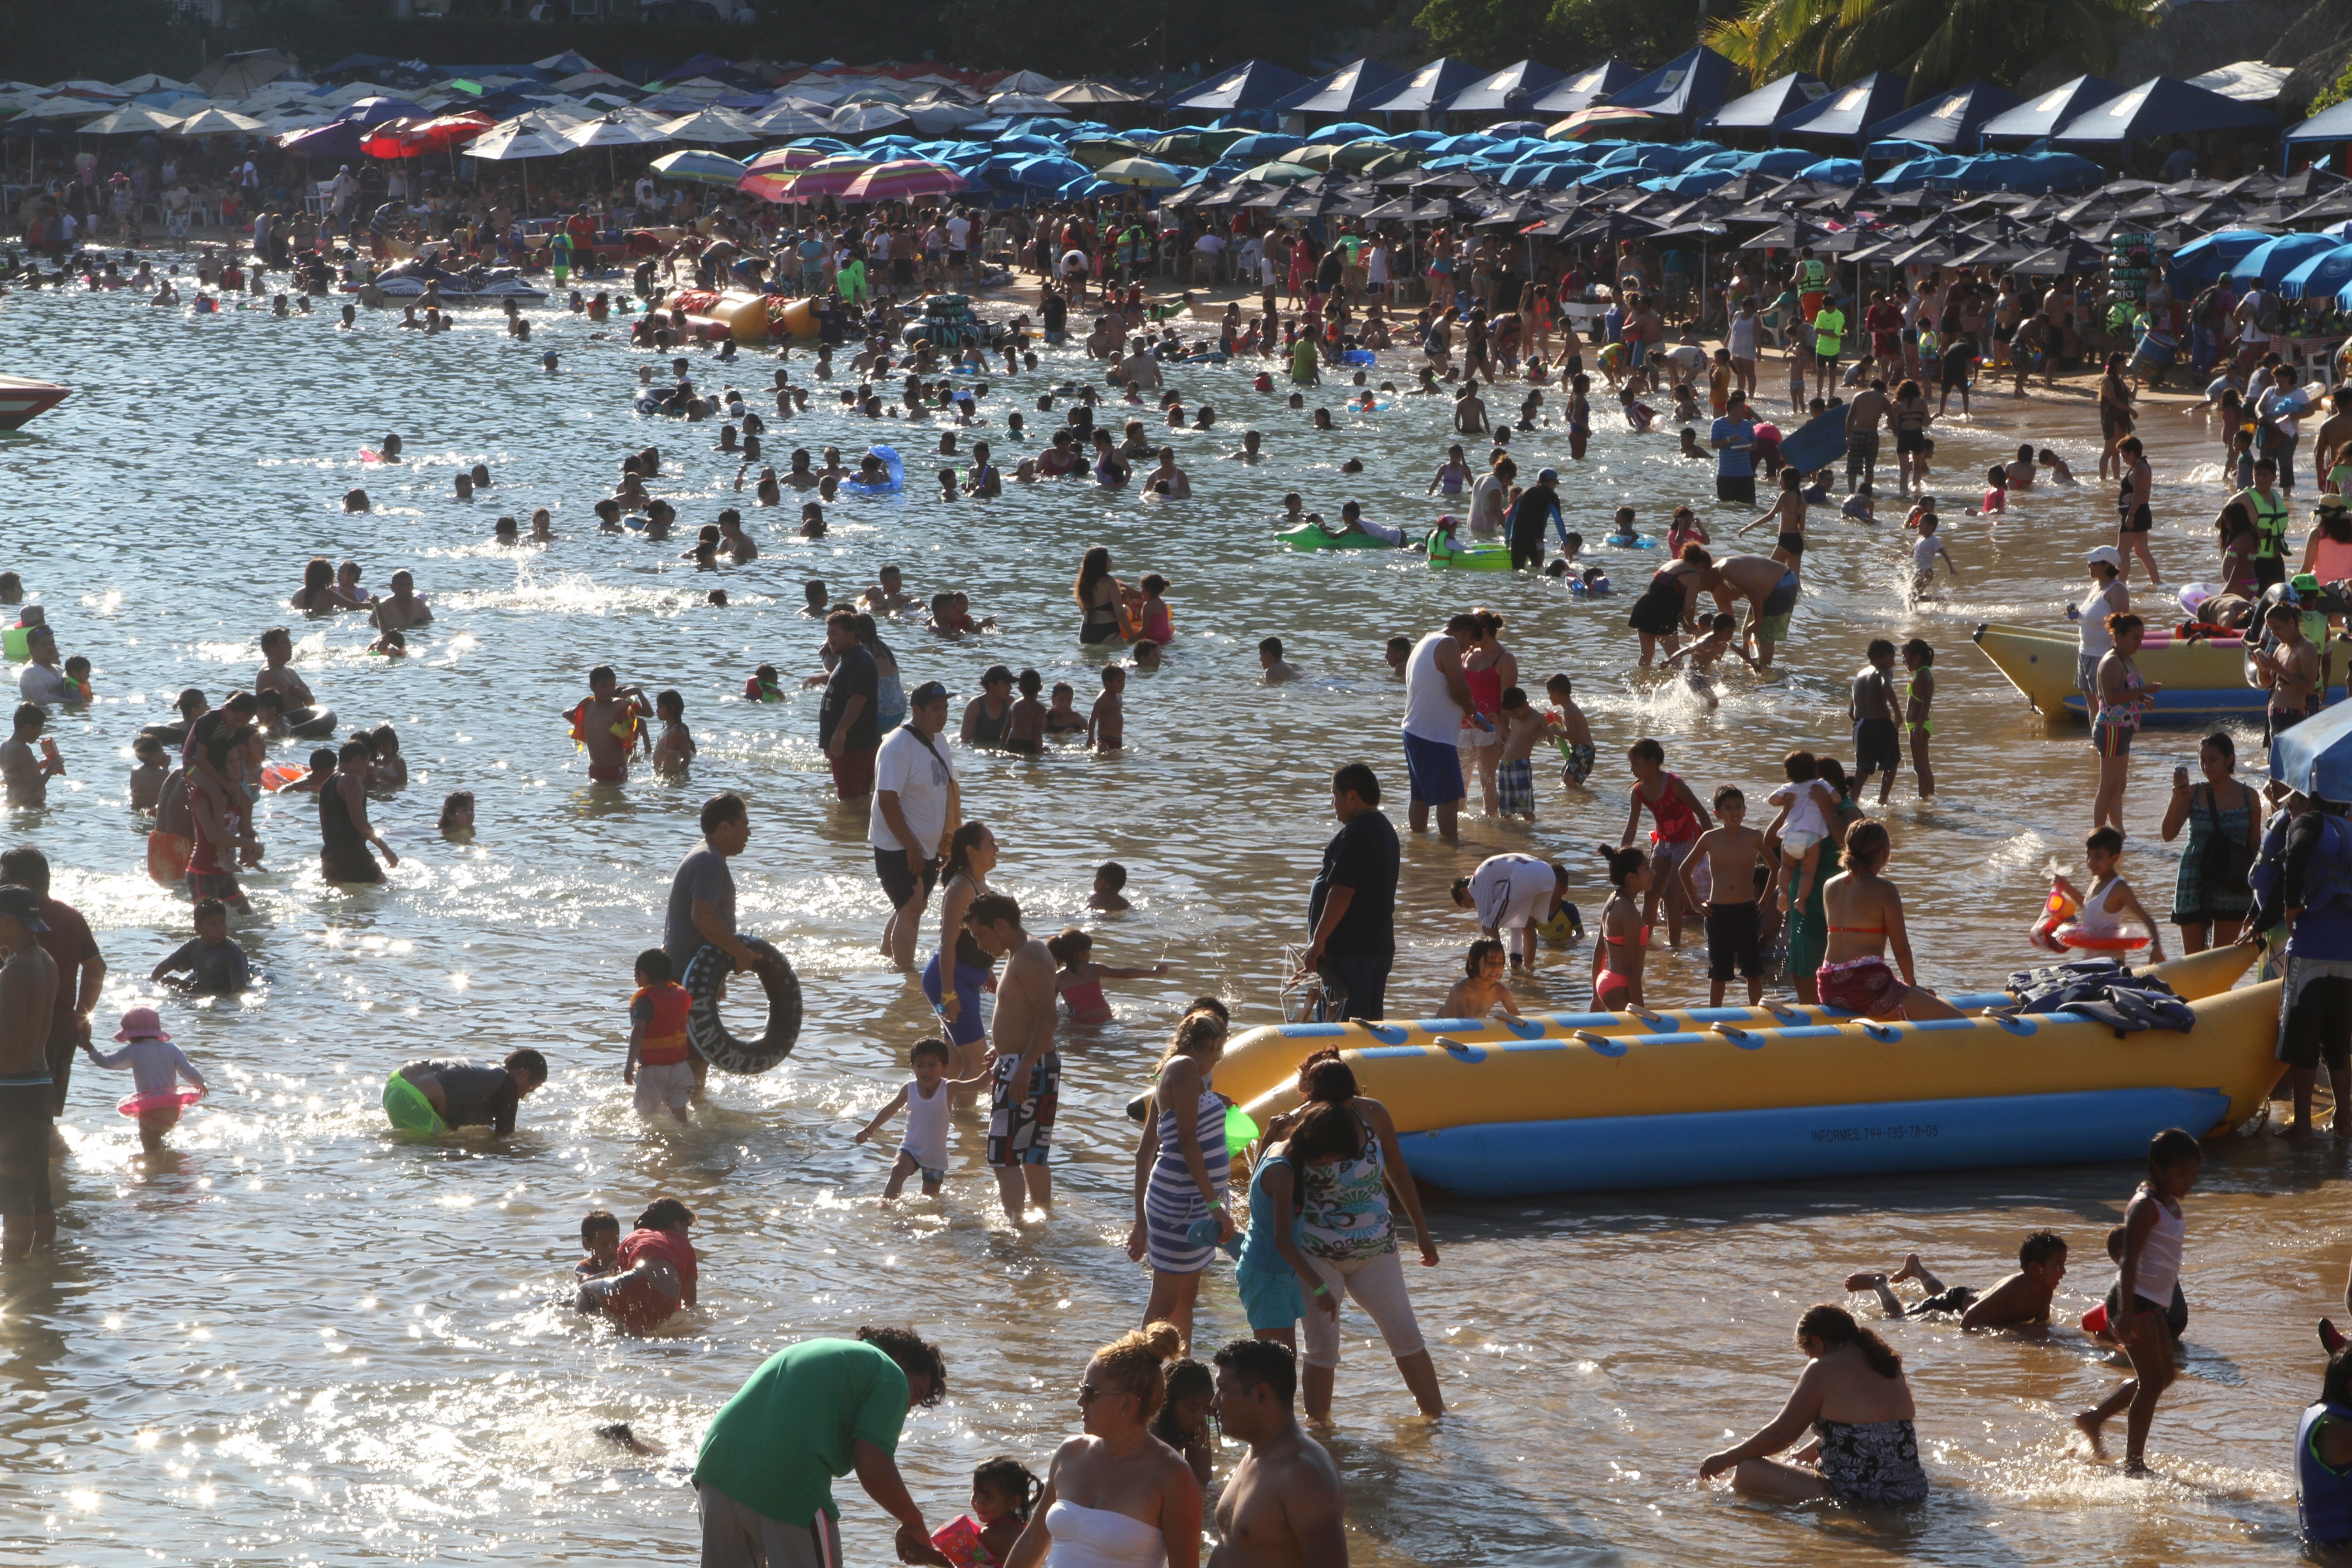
(2021, 1300)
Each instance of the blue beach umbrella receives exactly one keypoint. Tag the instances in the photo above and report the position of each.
(1776, 161)
(2325, 274)
(1834, 172)
(2204, 261)
(2274, 259)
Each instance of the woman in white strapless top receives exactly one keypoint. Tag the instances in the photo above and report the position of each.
(1117, 1497)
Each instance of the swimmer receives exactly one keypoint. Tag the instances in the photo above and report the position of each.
(1398, 655)
(2022, 1300)
(609, 724)
(674, 751)
(1278, 671)
(391, 644)
(1106, 720)
(401, 609)
(456, 821)
(277, 673)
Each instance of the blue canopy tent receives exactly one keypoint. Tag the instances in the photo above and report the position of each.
(2270, 262)
(1768, 104)
(1691, 85)
(2315, 756)
(1948, 118)
(1347, 90)
(1427, 90)
(1511, 90)
(1578, 89)
(2328, 125)
(1253, 84)
(2325, 274)
(2160, 106)
(1849, 113)
(2043, 115)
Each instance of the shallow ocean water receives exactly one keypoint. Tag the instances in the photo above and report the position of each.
(297, 1339)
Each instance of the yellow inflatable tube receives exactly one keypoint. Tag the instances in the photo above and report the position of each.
(1262, 1060)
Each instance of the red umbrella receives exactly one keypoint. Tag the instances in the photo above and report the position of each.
(416, 138)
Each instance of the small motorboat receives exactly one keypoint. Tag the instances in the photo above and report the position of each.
(412, 280)
(22, 399)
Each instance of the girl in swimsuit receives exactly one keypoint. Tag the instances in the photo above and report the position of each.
(960, 969)
(2148, 1270)
(2123, 697)
(1790, 508)
(1853, 1396)
(1079, 980)
(1865, 914)
(1624, 940)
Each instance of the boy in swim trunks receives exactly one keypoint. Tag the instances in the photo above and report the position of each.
(1569, 731)
(1027, 1074)
(1730, 851)
(1514, 773)
(2022, 1300)
(608, 723)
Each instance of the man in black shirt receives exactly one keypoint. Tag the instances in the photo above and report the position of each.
(848, 722)
(1352, 908)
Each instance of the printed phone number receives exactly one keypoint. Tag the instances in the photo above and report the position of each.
(1874, 1134)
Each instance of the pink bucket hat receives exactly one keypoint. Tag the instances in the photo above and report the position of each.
(141, 1024)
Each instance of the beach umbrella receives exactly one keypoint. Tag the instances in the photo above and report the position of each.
(902, 180)
(416, 138)
(218, 123)
(612, 130)
(1034, 172)
(1277, 173)
(2326, 274)
(131, 119)
(1260, 145)
(1007, 104)
(1834, 172)
(1396, 160)
(2272, 260)
(2315, 756)
(1149, 172)
(718, 126)
(699, 167)
(782, 160)
(1091, 92)
(66, 108)
(826, 177)
(514, 143)
(862, 119)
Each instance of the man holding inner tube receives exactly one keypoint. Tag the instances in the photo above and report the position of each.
(702, 901)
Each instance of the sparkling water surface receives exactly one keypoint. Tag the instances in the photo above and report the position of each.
(295, 1339)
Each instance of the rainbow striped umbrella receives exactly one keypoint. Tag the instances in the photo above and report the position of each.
(903, 179)
(826, 177)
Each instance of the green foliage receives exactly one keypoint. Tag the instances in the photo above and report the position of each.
(2335, 91)
(1940, 43)
(1575, 32)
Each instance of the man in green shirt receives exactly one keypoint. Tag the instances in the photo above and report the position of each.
(1829, 341)
(851, 279)
(812, 1412)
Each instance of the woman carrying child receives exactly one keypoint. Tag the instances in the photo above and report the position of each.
(953, 983)
(1182, 1164)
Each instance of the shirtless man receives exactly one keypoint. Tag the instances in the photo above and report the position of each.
(24, 770)
(607, 721)
(1771, 590)
(1281, 1508)
(888, 595)
(29, 987)
(1249, 453)
(400, 610)
(1026, 1093)
(1870, 409)
(1138, 368)
(277, 675)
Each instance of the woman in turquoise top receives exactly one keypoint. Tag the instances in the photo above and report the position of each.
(1275, 1280)
(2210, 896)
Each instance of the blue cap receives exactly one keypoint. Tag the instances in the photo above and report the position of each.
(1547, 477)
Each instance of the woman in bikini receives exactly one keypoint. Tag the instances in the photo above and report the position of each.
(1097, 593)
(1617, 956)
(2123, 698)
(1866, 919)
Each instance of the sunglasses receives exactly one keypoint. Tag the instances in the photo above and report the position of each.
(1088, 1393)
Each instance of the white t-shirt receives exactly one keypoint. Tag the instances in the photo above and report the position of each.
(645, 191)
(1508, 892)
(2096, 606)
(959, 232)
(1375, 265)
(1804, 803)
(1210, 245)
(41, 684)
(1923, 555)
(919, 774)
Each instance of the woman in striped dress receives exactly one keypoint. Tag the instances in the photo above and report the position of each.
(1181, 1168)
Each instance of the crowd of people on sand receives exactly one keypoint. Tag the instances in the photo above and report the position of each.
(1807, 894)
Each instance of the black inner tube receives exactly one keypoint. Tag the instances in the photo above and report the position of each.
(706, 975)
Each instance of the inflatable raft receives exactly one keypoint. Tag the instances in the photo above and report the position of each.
(2201, 678)
(1601, 1113)
(1315, 536)
(747, 318)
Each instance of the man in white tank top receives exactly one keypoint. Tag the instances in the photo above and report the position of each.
(1436, 701)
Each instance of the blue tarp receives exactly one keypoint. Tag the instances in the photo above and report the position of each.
(2160, 106)
(2328, 125)
(1427, 91)
(1342, 91)
(2047, 111)
(1692, 85)
(1847, 112)
(1579, 89)
(1767, 104)
(1253, 84)
(1949, 119)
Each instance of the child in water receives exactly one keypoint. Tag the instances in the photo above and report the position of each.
(600, 1240)
(458, 814)
(1624, 940)
(1481, 989)
(2021, 1299)
(674, 751)
(2149, 1270)
(1110, 887)
(1623, 535)
(1182, 1422)
(764, 685)
(156, 1066)
(1806, 806)
(147, 777)
(1569, 730)
(1079, 980)
(391, 767)
(925, 1098)
(2110, 904)
(1061, 717)
(1002, 1494)
(214, 965)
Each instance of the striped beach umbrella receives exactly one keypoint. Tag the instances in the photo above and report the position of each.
(699, 167)
(903, 179)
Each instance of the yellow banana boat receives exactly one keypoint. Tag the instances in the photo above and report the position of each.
(2199, 678)
(1595, 1112)
(1262, 1060)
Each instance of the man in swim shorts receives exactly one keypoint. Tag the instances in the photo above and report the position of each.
(1436, 702)
(1771, 590)
(29, 984)
(610, 724)
(1026, 1093)
(848, 727)
(80, 970)
(1283, 1507)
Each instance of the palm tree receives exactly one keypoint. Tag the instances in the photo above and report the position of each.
(1939, 43)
